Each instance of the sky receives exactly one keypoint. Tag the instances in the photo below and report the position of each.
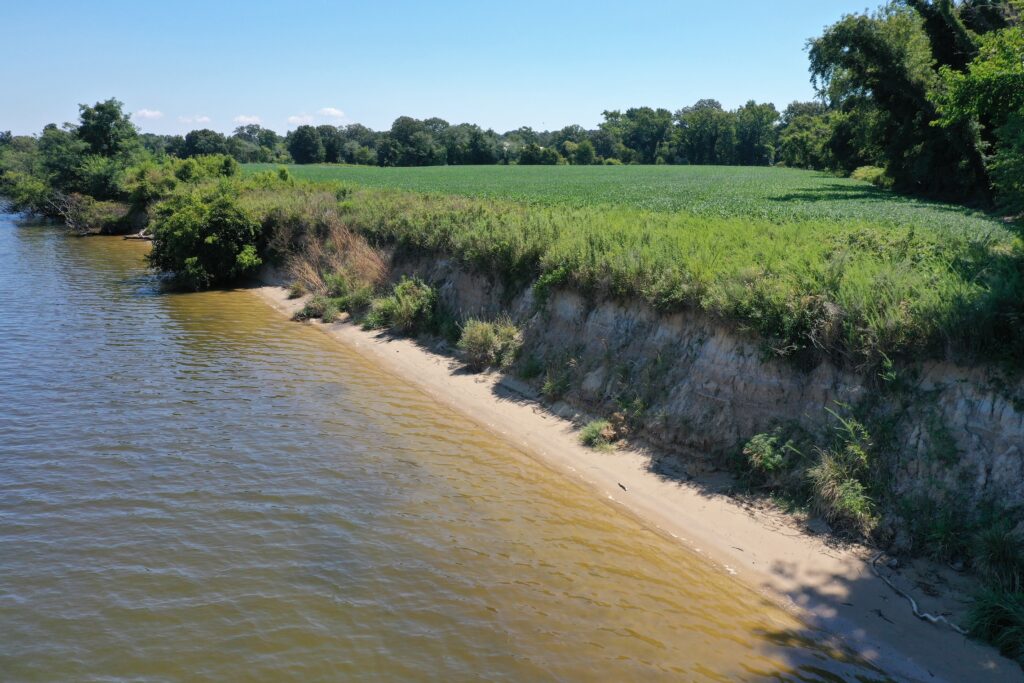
(179, 65)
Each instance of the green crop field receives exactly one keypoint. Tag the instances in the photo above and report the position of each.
(775, 194)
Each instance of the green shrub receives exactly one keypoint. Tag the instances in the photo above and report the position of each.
(358, 299)
(296, 290)
(997, 617)
(314, 308)
(205, 241)
(872, 174)
(598, 434)
(101, 177)
(331, 311)
(408, 309)
(840, 498)
(556, 383)
(776, 460)
(765, 454)
(838, 493)
(487, 344)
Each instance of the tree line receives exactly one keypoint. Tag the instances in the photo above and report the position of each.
(926, 96)
(705, 133)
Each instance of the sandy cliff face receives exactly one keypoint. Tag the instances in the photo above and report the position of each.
(706, 388)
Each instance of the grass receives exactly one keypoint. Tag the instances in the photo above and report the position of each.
(997, 617)
(598, 434)
(857, 273)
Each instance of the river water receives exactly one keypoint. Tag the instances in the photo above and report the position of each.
(194, 488)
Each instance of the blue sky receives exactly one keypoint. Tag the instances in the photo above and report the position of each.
(182, 65)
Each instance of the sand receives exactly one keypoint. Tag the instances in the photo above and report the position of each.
(828, 586)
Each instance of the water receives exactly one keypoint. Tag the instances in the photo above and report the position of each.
(193, 488)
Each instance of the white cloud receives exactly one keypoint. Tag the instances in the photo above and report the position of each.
(201, 118)
(149, 114)
(300, 120)
(246, 119)
(332, 113)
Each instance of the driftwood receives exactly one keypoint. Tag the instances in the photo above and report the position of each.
(70, 208)
(924, 616)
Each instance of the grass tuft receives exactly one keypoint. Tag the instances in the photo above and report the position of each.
(598, 434)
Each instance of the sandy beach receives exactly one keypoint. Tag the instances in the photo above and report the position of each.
(831, 587)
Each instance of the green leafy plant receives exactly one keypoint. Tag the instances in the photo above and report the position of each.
(598, 434)
(487, 344)
(409, 308)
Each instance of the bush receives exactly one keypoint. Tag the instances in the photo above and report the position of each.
(556, 383)
(837, 492)
(489, 344)
(408, 309)
(205, 241)
(314, 308)
(776, 460)
(872, 174)
(331, 311)
(997, 617)
(101, 177)
(1008, 164)
(598, 434)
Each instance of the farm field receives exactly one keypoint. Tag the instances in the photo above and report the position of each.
(775, 194)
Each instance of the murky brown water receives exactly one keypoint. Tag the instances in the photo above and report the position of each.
(193, 488)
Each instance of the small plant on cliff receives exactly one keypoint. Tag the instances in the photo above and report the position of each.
(556, 383)
(837, 490)
(490, 344)
(409, 308)
(598, 434)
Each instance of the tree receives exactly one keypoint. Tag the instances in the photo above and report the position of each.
(706, 133)
(305, 146)
(535, 155)
(61, 154)
(883, 63)
(803, 135)
(417, 145)
(389, 151)
(643, 129)
(584, 154)
(5, 138)
(107, 129)
(332, 141)
(756, 134)
(204, 141)
(991, 92)
(206, 241)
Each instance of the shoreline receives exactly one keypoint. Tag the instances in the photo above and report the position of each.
(831, 588)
